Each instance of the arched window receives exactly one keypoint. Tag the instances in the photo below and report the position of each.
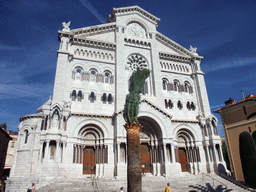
(176, 85)
(78, 73)
(107, 75)
(165, 83)
(73, 96)
(187, 87)
(166, 103)
(93, 74)
(188, 105)
(179, 104)
(26, 136)
(104, 98)
(110, 98)
(92, 97)
(193, 107)
(79, 96)
(170, 104)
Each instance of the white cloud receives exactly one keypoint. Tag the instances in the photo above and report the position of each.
(225, 63)
(9, 48)
(94, 11)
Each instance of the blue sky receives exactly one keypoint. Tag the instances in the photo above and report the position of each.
(223, 31)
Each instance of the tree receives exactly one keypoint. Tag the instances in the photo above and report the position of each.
(254, 136)
(3, 125)
(248, 158)
(225, 155)
(132, 126)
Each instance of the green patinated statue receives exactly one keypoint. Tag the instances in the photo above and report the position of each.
(131, 108)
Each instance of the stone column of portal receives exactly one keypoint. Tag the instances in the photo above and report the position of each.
(101, 161)
(58, 151)
(134, 183)
(41, 151)
(47, 150)
(165, 160)
(173, 154)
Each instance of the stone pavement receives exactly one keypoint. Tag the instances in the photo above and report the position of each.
(181, 183)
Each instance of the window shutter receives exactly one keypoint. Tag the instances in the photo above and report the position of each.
(112, 80)
(171, 87)
(168, 87)
(190, 89)
(182, 88)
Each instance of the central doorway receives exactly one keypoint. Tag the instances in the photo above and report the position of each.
(183, 159)
(145, 158)
(89, 160)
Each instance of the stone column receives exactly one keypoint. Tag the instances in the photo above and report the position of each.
(58, 151)
(41, 151)
(134, 183)
(47, 150)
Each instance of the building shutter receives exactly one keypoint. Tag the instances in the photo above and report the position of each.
(112, 80)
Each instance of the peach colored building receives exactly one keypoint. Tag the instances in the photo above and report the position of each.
(10, 153)
(237, 117)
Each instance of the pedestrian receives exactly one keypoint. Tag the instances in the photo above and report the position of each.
(167, 189)
(122, 189)
(33, 187)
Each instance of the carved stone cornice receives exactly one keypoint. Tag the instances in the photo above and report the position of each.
(173, 57)
(132, 9)
(31, 117)
(183, 121)
(91, 115)
(94, 29)
(93, 43)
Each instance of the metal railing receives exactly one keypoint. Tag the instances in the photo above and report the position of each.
(213, 179)
(94, 184)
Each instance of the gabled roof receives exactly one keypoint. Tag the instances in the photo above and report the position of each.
(132, 9)
(248, 98)
(152, 105)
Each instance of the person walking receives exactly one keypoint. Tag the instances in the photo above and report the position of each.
(167, 188)
(122, 189)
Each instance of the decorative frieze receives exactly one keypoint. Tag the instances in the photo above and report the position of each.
(172, 67)
(172, 57)
(137, 43)
(92, 43)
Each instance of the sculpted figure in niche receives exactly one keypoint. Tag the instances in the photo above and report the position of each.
(136, 29)
(55, 121)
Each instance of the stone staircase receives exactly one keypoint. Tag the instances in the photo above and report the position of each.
(178, 183)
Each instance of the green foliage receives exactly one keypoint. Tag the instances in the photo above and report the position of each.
(248, 158)
(3, 125)
(131, 108)
(254, 136)
(225, 155)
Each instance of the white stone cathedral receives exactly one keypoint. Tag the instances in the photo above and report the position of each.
(80, 131)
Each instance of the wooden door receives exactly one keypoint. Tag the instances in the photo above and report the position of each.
(183, 159)
(145, 158)
(89, 160)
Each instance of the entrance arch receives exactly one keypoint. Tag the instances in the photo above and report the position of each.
(187, 153)
(151, 145)
(91, 151)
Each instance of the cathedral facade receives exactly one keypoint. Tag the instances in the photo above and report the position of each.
(80, 130)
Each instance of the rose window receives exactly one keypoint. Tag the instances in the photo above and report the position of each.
(136, 61)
